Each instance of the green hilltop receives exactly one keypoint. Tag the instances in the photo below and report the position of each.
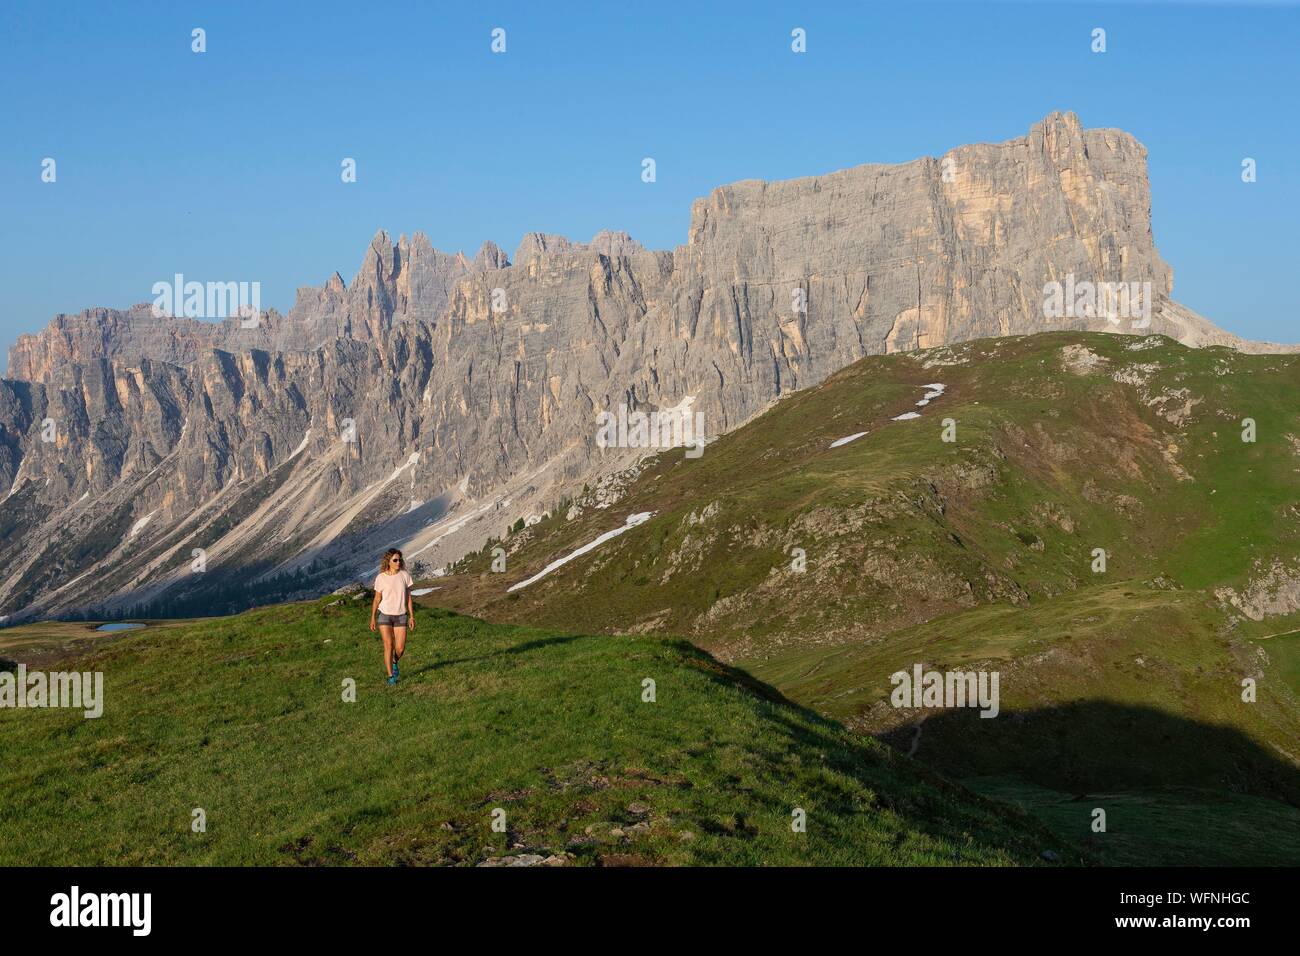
(981, 553)
(778, 582)
(245, 719)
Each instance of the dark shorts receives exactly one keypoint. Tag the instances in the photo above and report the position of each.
(395, 620)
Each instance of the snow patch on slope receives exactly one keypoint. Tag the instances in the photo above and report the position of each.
(935, 390)
(846, 439)
(641, 517)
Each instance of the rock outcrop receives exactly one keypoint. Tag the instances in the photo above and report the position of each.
(435, 399)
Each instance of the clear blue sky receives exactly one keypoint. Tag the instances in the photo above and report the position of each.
(225, 165)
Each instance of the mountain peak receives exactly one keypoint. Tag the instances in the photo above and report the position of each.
(781, 285)
(535, 244)
(490, 256)
(611, 243)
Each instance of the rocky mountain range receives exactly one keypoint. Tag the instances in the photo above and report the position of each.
(160, 464)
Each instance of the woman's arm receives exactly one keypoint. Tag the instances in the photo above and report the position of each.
(374, 609)
(410, 609)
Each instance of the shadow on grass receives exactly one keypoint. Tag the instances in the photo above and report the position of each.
(1092, 745)
(829, 742)
(1137, 754)
(517, 649)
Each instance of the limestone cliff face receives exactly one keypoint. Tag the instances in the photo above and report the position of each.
(436, 398)
(131, 335)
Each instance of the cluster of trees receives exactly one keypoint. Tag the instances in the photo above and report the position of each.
(216, 592)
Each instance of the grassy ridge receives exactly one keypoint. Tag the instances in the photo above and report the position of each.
(978, 554)
(244, 718)
(900, 527)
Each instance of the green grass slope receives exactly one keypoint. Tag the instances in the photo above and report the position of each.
(978, 553)
(1140, 454)
(244, 718)
(1173, 826)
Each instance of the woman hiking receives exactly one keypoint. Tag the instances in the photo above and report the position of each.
(393, 610)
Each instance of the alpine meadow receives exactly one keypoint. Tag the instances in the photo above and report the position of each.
(864, 494)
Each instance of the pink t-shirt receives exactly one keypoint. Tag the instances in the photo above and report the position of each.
(392, 590)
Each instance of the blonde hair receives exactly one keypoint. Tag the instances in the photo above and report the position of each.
(387, 559)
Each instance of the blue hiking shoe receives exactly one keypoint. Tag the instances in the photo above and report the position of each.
(396, 672)
(392, 681)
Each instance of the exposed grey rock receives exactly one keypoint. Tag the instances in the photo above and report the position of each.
(1274, 590)
(536, 244)
(176, 436)
(490, 257)
(615, 244)
(131, 336)
(528, 859)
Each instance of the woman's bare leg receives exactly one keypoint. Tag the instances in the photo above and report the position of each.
(386, 632)
(399, 642)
